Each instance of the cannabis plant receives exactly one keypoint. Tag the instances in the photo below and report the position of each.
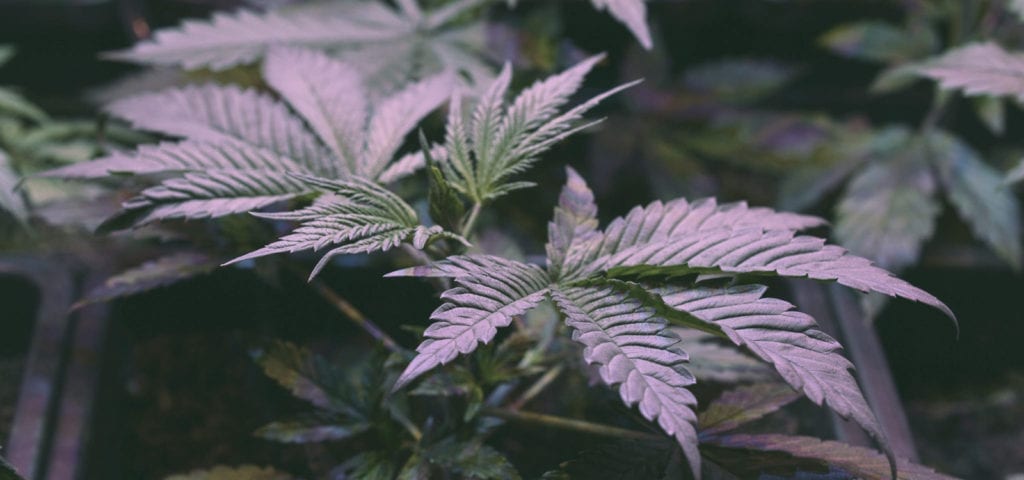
(669, 294)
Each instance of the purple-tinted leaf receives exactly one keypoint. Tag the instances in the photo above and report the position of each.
(327, 93)
(714, 361)
(151, 275)
(807, 358)
(222, 114)
(230, 39)
(855, 462)
(636, 352)
(482, 302)
(978, 69)
(632, 14)
(759, 251)
(742, 405)
(574, 223)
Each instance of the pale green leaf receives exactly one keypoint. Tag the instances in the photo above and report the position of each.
(978, 193)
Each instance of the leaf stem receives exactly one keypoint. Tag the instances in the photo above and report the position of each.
(542, 383)
(582, 426)
(356, 316)
(467, 228)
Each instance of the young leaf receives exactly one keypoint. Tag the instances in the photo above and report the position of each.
(850, 461)
(632, 14)
(151, 275)
(636, 352)
(742, 405)
(804, 356)
(574, 222)
(490, 292)
(244, 472)
(501, 140)
(359, 216)
(978, 69)
(889, 210)
(446, 208)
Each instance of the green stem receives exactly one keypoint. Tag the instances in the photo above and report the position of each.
(356, 316)
(582, 426)
(542, 383)
(471, 220)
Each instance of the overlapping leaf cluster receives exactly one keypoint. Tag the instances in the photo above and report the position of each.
(613, 289)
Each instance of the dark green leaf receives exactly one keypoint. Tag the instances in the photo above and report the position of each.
(151, 275)
(847, 461)
(743, 405)
(244, 472)
(311, 429)
(880, 41)
(472, 460)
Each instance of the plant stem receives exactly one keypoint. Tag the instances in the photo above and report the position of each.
(567, 424)
(536, 388)
(355, 315)
(471, 220)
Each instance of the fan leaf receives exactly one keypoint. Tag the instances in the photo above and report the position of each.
(636, 352)
(327, 93)
(489, 292)
(225, 114)
(856, 462)
(807, 358)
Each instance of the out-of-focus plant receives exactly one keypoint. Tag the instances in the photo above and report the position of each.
(31, 142)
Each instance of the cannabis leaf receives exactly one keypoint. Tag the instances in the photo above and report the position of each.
(243, 148)
(10, 200)
(502, 139)
(978, 69)
(150, 275)
(743, 405)
(889, 210)
(244, 472)
(391, 47)
(846, 461)
(358, 215)
(978, 194)
(632, 13)
(624, 325)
